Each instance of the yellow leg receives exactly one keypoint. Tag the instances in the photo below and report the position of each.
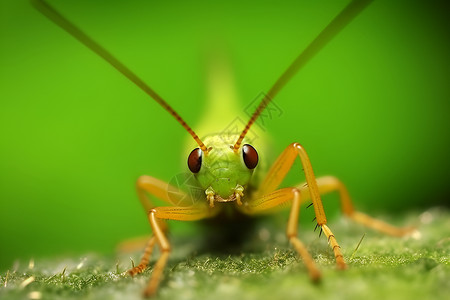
(336, 248)
(267, 196)
(159, 189)
(165, 250)
(329, 184)
(145, 258)
(279, 197)
(276, 175)
(156, 218)
(282, 166)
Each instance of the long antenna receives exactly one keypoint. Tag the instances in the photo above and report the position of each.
(65, 24)
(336, 25)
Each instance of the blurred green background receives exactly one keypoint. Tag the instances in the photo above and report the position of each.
(372, 108)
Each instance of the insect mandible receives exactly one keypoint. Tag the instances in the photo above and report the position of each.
(225, 166)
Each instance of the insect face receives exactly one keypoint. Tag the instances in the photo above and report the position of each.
(222, 170)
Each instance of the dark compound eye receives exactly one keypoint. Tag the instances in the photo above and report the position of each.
(195, 160)
(250, 156)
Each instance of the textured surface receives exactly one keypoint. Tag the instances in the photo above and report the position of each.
(382, 267)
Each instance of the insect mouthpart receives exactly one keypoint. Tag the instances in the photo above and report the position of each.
(218, 198)
(237, 195)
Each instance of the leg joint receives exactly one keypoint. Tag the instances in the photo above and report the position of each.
(296, 192)
(291, 235)
(297, 146)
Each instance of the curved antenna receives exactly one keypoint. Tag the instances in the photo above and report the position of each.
(65, 24)
(332, 29)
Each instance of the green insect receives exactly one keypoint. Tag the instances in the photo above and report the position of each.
(227, 169)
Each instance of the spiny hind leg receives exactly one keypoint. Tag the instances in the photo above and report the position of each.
(276, 175)
(329, 184)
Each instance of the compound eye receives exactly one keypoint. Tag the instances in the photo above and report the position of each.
(195, 160)
(250, 156)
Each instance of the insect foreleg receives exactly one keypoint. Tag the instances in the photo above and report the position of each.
(179, 211)
(281, 167)
(276, 175)
(159, 189)
(156, 218)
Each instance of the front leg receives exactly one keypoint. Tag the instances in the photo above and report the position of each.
(156, 218)
(276, 175)
(182, 209)
(281, 167)
(159, 189)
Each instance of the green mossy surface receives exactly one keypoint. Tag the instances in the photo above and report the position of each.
(382, 268)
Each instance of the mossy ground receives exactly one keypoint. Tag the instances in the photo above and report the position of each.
(382, 268)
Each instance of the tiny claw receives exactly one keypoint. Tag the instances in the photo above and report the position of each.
(136, 270)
